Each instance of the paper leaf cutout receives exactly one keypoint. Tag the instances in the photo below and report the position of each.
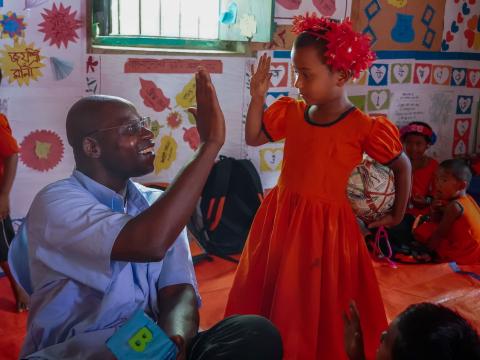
(41, 150)
(21, 62)
(166, 154)
(61, 68)
(153, 96)
(192, 137)
(187, 97)
(12, 26)
(60, 26)
(29, 4)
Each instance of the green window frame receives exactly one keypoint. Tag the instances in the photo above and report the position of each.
(230, 38)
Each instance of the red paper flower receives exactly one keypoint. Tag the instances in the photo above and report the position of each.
(347, 50)
(41, 150)
(60, 26)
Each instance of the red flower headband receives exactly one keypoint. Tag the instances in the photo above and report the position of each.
(418, 129)
(347, 50)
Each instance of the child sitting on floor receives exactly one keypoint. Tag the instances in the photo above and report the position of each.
(423, 331)
(453, 230)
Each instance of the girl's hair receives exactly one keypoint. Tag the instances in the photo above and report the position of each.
(306, 39)
(458, 168)
(430, 331)
(419, 128)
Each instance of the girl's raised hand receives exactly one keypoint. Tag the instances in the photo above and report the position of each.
(260, 81)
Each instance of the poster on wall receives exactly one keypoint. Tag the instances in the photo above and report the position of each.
(401, 24)
(285, 10)
(462, 26)
(163, 89)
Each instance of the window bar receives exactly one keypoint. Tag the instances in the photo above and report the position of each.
(160, 18)
(118, 17)
(180, 19)
(140, 16)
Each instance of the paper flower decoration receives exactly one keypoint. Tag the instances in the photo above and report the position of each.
(41, 150)
(13, 26)
(60, 26)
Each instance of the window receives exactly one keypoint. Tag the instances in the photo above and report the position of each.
(191, 24)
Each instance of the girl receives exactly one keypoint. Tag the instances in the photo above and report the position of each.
(417, 137)
(305, 257)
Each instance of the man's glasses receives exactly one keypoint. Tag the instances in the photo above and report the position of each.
(131, 128)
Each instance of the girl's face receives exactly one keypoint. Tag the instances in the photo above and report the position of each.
(415, 146)
(314, 80)
(388, 338)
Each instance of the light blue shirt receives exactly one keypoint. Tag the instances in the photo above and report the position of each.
(81, 296)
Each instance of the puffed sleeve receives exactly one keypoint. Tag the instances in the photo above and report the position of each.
(383, 142)
(274, 122)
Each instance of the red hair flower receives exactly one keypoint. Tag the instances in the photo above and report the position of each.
(346, 49)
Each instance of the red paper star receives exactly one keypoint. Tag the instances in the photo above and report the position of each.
(59, 25)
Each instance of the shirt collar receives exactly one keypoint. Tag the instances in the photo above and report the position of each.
(107, 196)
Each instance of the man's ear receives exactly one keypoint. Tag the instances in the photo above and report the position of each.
(342, 77)
(91, 147)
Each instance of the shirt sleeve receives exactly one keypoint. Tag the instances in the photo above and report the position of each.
(383, 142)
(71, 233)
(177, 267)
(8, 144)
(274, 122)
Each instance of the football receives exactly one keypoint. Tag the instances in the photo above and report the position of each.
(371, 190)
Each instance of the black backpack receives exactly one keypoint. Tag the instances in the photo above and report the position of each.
(225, 211)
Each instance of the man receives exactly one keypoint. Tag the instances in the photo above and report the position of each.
(98, 251)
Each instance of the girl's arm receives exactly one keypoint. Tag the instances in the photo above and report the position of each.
(452, 212)
(402, 170)
(259, 84)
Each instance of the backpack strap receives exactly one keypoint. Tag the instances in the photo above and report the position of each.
(252, 172)
(220, 178)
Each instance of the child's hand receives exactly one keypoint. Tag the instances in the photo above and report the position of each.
(387, 221)
(352, 334)
(260, 81)
(421, 202)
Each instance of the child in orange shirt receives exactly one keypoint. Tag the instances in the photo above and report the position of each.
(8, 169)
(417, 137)
(305, 256)
(454, 230)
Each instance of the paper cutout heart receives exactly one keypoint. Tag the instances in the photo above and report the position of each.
(378, 73)
(464, 103)
(459, 18)
(273, 158)
(400, 72)
(462, 127)
(278, 74)
(379, 98)
(454, 27)
(422, 73)
(449, 36)
(458, 76)
(445, 45)
(470, 36)
(460, 148)
(326, 7)
(441, 74)
(290, 4)
(465, 9)
(474, 77)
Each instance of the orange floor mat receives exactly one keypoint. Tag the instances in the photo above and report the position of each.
(399, 287)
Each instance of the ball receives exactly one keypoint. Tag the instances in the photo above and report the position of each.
(371, 190)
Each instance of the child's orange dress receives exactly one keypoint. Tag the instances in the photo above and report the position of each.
(305, 257)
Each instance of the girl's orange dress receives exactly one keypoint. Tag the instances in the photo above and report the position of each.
(305, 257)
